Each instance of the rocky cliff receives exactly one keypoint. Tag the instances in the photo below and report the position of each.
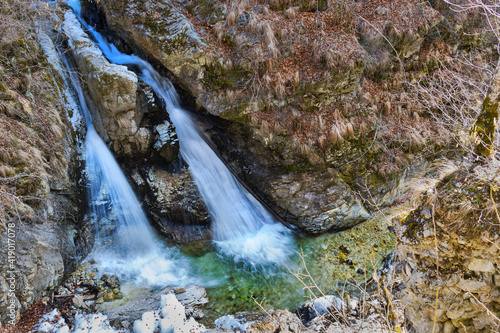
(305, 93)
(42, 233)
(333, 113)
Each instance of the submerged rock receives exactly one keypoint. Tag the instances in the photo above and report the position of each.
(166, 141)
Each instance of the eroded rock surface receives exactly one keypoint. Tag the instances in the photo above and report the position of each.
(161, 30)
(317, 206)
(40, 228)
(113, 88)
(449, 249)
(175, 203)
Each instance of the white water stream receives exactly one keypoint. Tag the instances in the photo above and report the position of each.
(125, 242)
(243, 229)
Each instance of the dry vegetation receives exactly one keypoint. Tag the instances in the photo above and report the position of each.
(320, 77)
(31, 151)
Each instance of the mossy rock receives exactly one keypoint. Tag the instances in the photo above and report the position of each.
(207, 11)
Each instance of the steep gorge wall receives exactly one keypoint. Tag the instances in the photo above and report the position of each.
(41, 230)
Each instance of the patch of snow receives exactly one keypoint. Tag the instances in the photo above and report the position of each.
(71, 104)
(233, 323)
(169, 318)
(52, 322)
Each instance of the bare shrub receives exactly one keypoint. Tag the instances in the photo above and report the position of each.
(291, 12)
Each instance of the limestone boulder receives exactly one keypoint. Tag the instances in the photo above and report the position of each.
(114, 90)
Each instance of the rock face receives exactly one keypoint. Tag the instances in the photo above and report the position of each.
(40, 232)
(299, 97)
(113, 88)
(161, 30)
(174, 202)
(449, 249)
(317, 206)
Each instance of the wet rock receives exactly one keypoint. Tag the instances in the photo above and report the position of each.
(111, 281)
(113, 88)
(175, 202)
(109, 296)
(166, 141)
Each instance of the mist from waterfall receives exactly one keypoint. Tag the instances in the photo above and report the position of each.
(243, 229)
(125, 242)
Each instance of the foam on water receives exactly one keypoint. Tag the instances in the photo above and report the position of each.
(242, 227)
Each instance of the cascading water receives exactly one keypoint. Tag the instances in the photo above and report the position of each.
(243, 228)
(132, 250)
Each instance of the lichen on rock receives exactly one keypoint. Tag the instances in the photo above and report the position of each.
(113, 88)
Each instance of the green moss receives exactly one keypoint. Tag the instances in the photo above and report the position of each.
(220, 79)
(207, 11)
(235, 111)
(484, 128)
(352, 255)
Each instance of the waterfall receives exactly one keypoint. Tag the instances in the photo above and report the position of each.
(243, 229)
(125, 242)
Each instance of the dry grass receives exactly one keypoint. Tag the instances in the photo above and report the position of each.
(282, 48)
(376, 309)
